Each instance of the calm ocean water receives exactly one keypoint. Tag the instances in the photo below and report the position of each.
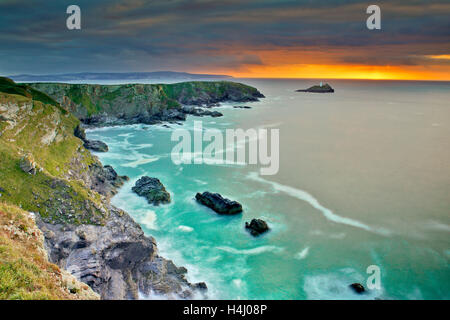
(364, 180)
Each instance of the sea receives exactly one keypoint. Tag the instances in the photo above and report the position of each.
(362, 194)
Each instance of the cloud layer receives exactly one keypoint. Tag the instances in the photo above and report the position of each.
(235, 37)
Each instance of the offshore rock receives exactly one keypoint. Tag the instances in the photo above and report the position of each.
(357, 287)
(257, 227)
(318, 89)
(219, 204)
(152, 189)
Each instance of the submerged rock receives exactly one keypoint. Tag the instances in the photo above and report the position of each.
(219, 204)
(152, 189)
(96, 145)
(326, 88)
(242, 107)
(357, 287)
(257, 227)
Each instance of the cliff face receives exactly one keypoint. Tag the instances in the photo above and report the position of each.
(45, 169)
(25, 272)
(142, 103)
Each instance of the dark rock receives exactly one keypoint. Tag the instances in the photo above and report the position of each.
(105, 180)
(152, 189)
(80, 133)
(357, 287)
(115, 259)
(200, 112)
(257, 227)
(96, 145)
(201, 286)
(242, 107)
(318, 89)
(219, 204)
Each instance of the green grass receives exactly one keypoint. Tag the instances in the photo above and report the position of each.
(49, 192)
(25, 273)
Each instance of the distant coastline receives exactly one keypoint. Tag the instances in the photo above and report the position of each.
(85, 76)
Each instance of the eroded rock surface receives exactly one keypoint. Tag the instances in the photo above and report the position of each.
(152, 189)
(218, 203)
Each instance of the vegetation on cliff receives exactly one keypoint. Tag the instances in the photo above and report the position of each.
(143, 101)
(46, 173)
(41, 135)
(25, 272)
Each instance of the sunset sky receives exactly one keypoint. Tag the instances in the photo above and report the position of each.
(265, 38)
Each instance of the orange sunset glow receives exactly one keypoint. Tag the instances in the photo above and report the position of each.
(438, 73)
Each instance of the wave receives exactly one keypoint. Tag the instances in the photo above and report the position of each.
(336, 287)
(138, 162)
(302, 254)
(185, 228)
(327, 213)
(148, 220)
(253, 251)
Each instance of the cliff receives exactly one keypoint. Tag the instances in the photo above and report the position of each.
(25, 272)
(142, 103)
(46, 170)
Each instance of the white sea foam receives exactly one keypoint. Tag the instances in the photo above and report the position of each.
(327, 213)
(302, 254)
(138, 162)
(142, 146)
(336, 287)
(436, 225)
(185, 228)
(253, 251)
(148, 219)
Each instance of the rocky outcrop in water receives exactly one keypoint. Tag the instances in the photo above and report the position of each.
(200, 112)
(326, 88)
(94, 145)
(219, 204)
(152, 189)
(358, 288)
(242, 107)
(257, 227)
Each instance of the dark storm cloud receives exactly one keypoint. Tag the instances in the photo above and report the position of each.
(138, 35)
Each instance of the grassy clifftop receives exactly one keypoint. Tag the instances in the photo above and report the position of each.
(131, 100)
(37, 151)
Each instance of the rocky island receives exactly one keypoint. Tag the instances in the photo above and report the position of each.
(49, 175)
(257, 227)
(321, 88)
(218, 203)
(152, 189)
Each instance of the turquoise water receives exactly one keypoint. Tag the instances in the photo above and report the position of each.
(364, 180)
